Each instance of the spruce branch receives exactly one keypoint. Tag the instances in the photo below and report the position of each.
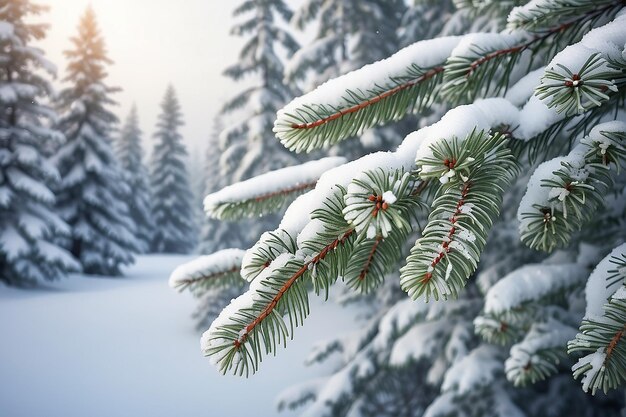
(372, 95)
(473, 173)
(537, 17)
(603, 329)
(537, 356)
(576, 92)
(267, 193)
(379, 202)
(269, 247)
(483, 63)
(218, 270)
(254, 323)
(560, 200)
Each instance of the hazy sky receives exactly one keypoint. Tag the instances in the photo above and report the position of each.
(153, 43)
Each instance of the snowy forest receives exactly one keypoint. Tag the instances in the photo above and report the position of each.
(331, 208)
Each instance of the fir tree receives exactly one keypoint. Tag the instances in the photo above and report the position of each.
(130, 154)
(28, 223)
(512, 206)
(92, 195)
(250, 148)
(172, 197)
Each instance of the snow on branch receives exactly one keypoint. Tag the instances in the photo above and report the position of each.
(325, 240)
(469, 66)
(509, 304)
(375, 94)
(564, 193)
(606, 278)
(529, 284)
(584, 75)
(268, 192)
(536, 357)
(537, 15)
(478, 369)
(269, 247)
(601, 338)
(256, 321)
(468, 170)
(219, 269)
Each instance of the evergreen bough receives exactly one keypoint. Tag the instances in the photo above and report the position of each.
(551, 84)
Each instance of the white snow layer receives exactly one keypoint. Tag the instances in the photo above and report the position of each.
(537, 194)
(596, 360)
(531, 283)
(424, 54)
(474, 371)
(599, 288)
(218, 262)
(549, 335)
(272, 182)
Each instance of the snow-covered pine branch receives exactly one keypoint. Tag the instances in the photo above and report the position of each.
(469, 66)
(537, 356)
(267, 192)
(603, 329)
(467, 171)
(323, 208)
(362, 212)
(220, 269)
(374, 94)
(564, 193)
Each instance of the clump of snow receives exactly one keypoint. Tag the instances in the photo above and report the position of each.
(521, 91)
(459, 122)
(531, 283)
(467, 47)
(423, 340)
(542, 336)
(7, 30)
(389, 197)
(478, 369)
(385, 73)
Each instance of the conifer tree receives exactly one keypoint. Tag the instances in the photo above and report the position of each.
(172, 198)
(28, 222)
(131, 156)
(512, 206)
(250, 148)
(92, 196)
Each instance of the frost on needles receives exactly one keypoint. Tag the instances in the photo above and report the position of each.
(512, 201)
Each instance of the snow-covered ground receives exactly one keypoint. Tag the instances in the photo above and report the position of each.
(127, 347)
